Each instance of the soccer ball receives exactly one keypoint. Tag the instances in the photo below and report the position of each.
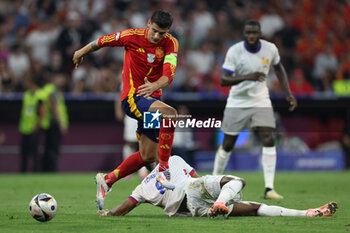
(43, 207)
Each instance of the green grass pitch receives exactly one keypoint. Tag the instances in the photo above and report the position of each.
(75, 195)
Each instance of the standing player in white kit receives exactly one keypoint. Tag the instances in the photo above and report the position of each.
(209, 195)
(245, 69)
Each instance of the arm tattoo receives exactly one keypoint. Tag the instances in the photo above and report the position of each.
(94, 45)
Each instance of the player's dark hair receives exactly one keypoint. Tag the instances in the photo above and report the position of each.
(162, 18)
(252, 22)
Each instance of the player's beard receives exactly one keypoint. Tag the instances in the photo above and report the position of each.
(252, 46)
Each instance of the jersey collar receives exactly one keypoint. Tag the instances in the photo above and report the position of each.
(245, 46)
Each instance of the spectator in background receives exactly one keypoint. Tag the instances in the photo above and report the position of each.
(202, 22)
(288, 36)
(85, 77)
(40, 40)
(137, 18)
(324, 61)
(306, 50)
(327, 82)
(341, 85)
(8, 81)
(299, 85)
(202, 59)
(56, 63)
(4, 51)
(270, 23)
(208, 88)
(344, 68)
(190, 83)
(105, 82)
(70, 39)
(19, 64)
(32, 114)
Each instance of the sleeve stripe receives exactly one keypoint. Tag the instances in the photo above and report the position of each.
(192, 172)
(175, 42)
(229, 71)
(133, 200)
(277, 64)
(129, 32)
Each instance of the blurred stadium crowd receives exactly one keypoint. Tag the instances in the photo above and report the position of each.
(39, 37)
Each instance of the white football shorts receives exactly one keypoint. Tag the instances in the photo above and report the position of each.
(237, 119)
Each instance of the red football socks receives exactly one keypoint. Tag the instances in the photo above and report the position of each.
(166, 137)
(130, 165)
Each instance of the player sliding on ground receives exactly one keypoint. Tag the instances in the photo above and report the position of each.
(204, 196)
(149, 65)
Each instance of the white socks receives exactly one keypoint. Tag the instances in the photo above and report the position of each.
(221, 159)
(229, 191)
(127, 151)
(268, 161)
(272, 211)
(143, 171)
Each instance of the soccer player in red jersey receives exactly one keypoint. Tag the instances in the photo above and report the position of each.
(149, 65)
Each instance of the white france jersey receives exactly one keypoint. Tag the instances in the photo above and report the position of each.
(239, 61)
(150, 191)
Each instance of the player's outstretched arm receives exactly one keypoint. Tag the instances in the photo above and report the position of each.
(79, 54)
(283, 79)
(121, 210)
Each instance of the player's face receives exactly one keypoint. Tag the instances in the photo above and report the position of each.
(155, 33)
(251, 34)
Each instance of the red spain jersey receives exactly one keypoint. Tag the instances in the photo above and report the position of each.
(143, 58)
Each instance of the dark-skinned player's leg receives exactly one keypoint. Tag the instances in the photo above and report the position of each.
(223, 154)
(268, 160)
(230, 186)
(246, 208)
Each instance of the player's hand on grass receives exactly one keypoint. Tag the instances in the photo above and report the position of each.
(104, 213)
(293, 102)
(148, 88)
(256, 76)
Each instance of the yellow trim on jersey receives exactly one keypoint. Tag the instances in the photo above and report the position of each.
(107, 39)
(150, 70)
(175, 42)
(131, 100)
(138, 32)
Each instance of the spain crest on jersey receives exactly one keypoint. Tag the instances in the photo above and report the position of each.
(159, 53)
(150, 57)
